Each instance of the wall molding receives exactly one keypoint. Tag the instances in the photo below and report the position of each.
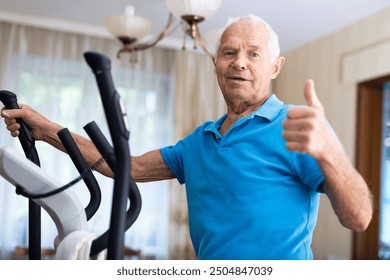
(366, 62)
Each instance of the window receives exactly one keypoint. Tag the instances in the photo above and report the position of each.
(384, 214)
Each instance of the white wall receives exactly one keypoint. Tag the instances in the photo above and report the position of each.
(337, 63)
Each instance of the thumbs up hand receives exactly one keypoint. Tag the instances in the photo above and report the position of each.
(305, 128)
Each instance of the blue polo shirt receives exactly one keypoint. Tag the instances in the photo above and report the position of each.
(248, 196)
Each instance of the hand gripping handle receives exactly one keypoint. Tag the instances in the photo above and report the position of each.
(28, 144)
(25, 136)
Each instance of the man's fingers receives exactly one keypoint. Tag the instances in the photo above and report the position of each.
(9, 121)
(301, 112)
(295, 147)
(294, 136)
(296, 124)
(14, 113)
(15, 133)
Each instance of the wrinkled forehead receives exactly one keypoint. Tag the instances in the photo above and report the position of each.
(245, 32)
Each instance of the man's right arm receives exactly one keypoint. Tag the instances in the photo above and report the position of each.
(148, 167)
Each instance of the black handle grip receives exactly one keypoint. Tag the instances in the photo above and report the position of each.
(112, 103)
(26, 139)
(117, 123)
(82, 167)
(104, 147)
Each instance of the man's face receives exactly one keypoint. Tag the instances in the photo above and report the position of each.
(244, 65)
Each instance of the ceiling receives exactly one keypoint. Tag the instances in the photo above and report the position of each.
(296, 22)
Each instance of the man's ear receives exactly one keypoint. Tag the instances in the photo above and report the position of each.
(278, 66)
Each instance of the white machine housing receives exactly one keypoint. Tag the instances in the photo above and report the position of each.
(64, 208)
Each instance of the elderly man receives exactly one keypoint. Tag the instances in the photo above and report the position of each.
(253, 178)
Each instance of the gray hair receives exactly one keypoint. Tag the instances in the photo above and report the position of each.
(273, 43)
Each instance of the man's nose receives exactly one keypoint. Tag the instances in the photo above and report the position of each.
(240, 62)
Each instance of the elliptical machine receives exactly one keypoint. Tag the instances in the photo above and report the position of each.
(31, 181)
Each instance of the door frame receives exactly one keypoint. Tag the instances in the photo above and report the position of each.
(368, 160)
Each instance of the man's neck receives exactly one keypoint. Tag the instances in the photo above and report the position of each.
(237, 112)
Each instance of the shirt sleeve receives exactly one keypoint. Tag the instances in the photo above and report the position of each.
(173, 157)
(308, 169)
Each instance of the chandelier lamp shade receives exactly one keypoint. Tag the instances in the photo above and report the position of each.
(128, 25)
(200, 8)
(130, 29)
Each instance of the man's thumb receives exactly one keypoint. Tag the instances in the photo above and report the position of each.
(311, 96)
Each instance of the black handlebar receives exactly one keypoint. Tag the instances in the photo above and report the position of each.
(117, 157)
(83, 168)
(118, 126)
(134, 195)
(27, 141)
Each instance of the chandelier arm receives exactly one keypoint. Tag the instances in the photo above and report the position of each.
(204, 45)
(159, 37)
(133, 48)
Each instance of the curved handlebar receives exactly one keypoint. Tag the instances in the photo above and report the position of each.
(27, 141)
(118, 126)
(134, 195)
(82, 166)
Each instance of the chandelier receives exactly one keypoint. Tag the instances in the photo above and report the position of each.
(130, 29)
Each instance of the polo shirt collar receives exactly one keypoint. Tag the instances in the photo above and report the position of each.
(269, 110)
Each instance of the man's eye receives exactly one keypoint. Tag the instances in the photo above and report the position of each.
(255, 54)
(229, 53)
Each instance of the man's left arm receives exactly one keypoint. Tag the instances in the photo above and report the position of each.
(347, 191)
(306, 130)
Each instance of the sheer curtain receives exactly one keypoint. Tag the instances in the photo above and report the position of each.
(45, 68)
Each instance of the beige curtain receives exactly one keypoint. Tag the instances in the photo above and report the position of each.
(197, 98)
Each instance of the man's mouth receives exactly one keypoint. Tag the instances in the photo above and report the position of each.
(237, 78)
